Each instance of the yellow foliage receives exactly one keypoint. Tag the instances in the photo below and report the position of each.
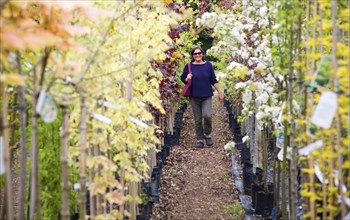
(241, 72)
(314, 55)
(344, 26)
(309, 77)
(167, 1)
(13, 79)
(253, 87)
(298, 64)
(301, 122)
(326, 25)
(177, 55)
(342, 50)
(308, 170)
(344, 14)
(312, 42)
(259, 69)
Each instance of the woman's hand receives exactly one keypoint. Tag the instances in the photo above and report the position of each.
(189, 76)
(220, 96)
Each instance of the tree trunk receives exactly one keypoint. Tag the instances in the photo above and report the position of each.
(35, 193)
(65, 215)
(293, 163)
(83, 147)
(338, 117)
(7, 154)
(23, 145)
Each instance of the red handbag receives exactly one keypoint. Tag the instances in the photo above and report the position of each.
(187, 88)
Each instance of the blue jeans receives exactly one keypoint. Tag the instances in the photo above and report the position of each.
(202, 112)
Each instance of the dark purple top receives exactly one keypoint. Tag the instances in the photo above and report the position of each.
(203, 77)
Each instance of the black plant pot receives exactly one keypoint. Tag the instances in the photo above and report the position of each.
(159, 164)
(182, 109)
(163, 154)
(172, 139)
(140, 217)
(230, 120)
(155, 186)
(179, 120)
(262, 200)
(245, 155)
(241, 146)
(250, 178)
(166, 149)
(147, 210)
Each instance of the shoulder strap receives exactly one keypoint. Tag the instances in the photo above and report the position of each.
(189, 68)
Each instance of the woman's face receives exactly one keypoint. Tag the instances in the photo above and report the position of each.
(198, 55)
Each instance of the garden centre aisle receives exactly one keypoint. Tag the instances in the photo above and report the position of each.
(197, 183)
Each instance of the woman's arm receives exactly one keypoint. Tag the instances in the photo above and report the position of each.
(221, 96)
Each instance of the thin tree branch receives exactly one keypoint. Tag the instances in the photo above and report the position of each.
(91, 59)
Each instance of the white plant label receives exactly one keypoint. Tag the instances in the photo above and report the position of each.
(2, 157)
(325, 110)
(138, 122)
(109, 105)
(102, 118)
(46, 107)
(319, 174)
(306, 150)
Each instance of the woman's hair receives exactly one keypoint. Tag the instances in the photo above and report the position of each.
(195, 48)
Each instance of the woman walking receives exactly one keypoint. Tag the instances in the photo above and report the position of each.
(203, 78)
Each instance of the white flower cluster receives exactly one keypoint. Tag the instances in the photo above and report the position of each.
(208, 20)
(229, 147)
(239, 36)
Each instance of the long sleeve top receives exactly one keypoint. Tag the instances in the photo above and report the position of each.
(203, 77)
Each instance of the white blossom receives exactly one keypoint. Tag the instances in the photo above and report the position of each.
(260, 115)
(263, 11)
(245, 139)
(240, 85)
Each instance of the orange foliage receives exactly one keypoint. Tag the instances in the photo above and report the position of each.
(39, 24)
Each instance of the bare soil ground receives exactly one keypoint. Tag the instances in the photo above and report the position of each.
(197, 183)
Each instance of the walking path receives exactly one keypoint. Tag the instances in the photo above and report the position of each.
(197, 183)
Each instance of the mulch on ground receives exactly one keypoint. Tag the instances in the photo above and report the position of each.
(197, 183)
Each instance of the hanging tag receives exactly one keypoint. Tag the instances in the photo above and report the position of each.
(109, 105)
(280, 154)
(46, 107)
(306, 150)
(336, 181)
(138, 122)
(325, 110)
(2, 157)
(280, 140)
(101, 118)
(319, 174)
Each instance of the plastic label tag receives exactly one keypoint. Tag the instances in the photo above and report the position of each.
(306, 150)
(325, 110)
(46, 107)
